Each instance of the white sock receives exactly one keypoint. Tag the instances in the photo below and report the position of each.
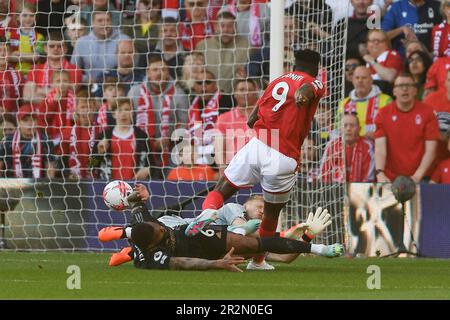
(317, 249)
(240, 231)
(128, 232)
(236, 229)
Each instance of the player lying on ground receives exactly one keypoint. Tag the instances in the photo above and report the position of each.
(239, 219)
(156, 246)
(281, 120)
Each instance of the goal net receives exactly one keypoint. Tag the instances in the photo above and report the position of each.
(319, 27)
(172, 71)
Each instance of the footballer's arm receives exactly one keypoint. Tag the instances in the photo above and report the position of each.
(253, 118)
(228, 262)
(304, 95)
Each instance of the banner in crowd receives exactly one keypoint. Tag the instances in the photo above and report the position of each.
(376, 223)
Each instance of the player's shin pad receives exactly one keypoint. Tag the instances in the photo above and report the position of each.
(139, 213)
(283, 245)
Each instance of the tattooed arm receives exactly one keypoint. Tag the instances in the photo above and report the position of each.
(304, 95)
(228, 262)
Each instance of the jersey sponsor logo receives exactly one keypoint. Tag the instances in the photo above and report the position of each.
(404, 14)
(430, 13)
(423, 28)
(437, 40)
(445, 170)
(394, 118)
(418, 119)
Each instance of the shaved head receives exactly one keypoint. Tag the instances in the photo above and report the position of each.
(362, 81)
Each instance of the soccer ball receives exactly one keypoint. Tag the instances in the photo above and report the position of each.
(115, 195)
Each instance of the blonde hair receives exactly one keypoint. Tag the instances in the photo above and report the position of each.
(255, 197)
(383, 33)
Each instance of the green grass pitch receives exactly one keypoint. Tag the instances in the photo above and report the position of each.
(43, 276)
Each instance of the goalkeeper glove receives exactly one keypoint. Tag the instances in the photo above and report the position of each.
(317, 222)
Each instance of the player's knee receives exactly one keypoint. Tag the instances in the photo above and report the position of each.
(225, 187)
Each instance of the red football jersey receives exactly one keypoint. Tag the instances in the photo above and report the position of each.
(440, 40)
(42, 74)
(439, 102)
(10, 89)
(281, 124)
(192, 33)
(79, 152)
(406, 133)
(123, 159)
(442, 172)
(437, 74)
(388, 59)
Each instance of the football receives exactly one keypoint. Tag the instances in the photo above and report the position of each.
(115, 195)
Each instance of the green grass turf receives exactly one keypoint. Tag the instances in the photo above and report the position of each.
(43, 276)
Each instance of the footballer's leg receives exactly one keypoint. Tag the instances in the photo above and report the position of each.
(197, 225)
(222, 191)
(273, 204)
(248, 246)
(278, 178)
(305, 231)
(242, 172)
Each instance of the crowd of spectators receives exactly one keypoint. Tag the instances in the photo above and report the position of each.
(162, 89)
(395, 84)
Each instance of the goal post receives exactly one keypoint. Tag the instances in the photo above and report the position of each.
(276, 41)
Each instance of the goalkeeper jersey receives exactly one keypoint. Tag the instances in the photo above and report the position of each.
(227, 215)
(176, 244)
